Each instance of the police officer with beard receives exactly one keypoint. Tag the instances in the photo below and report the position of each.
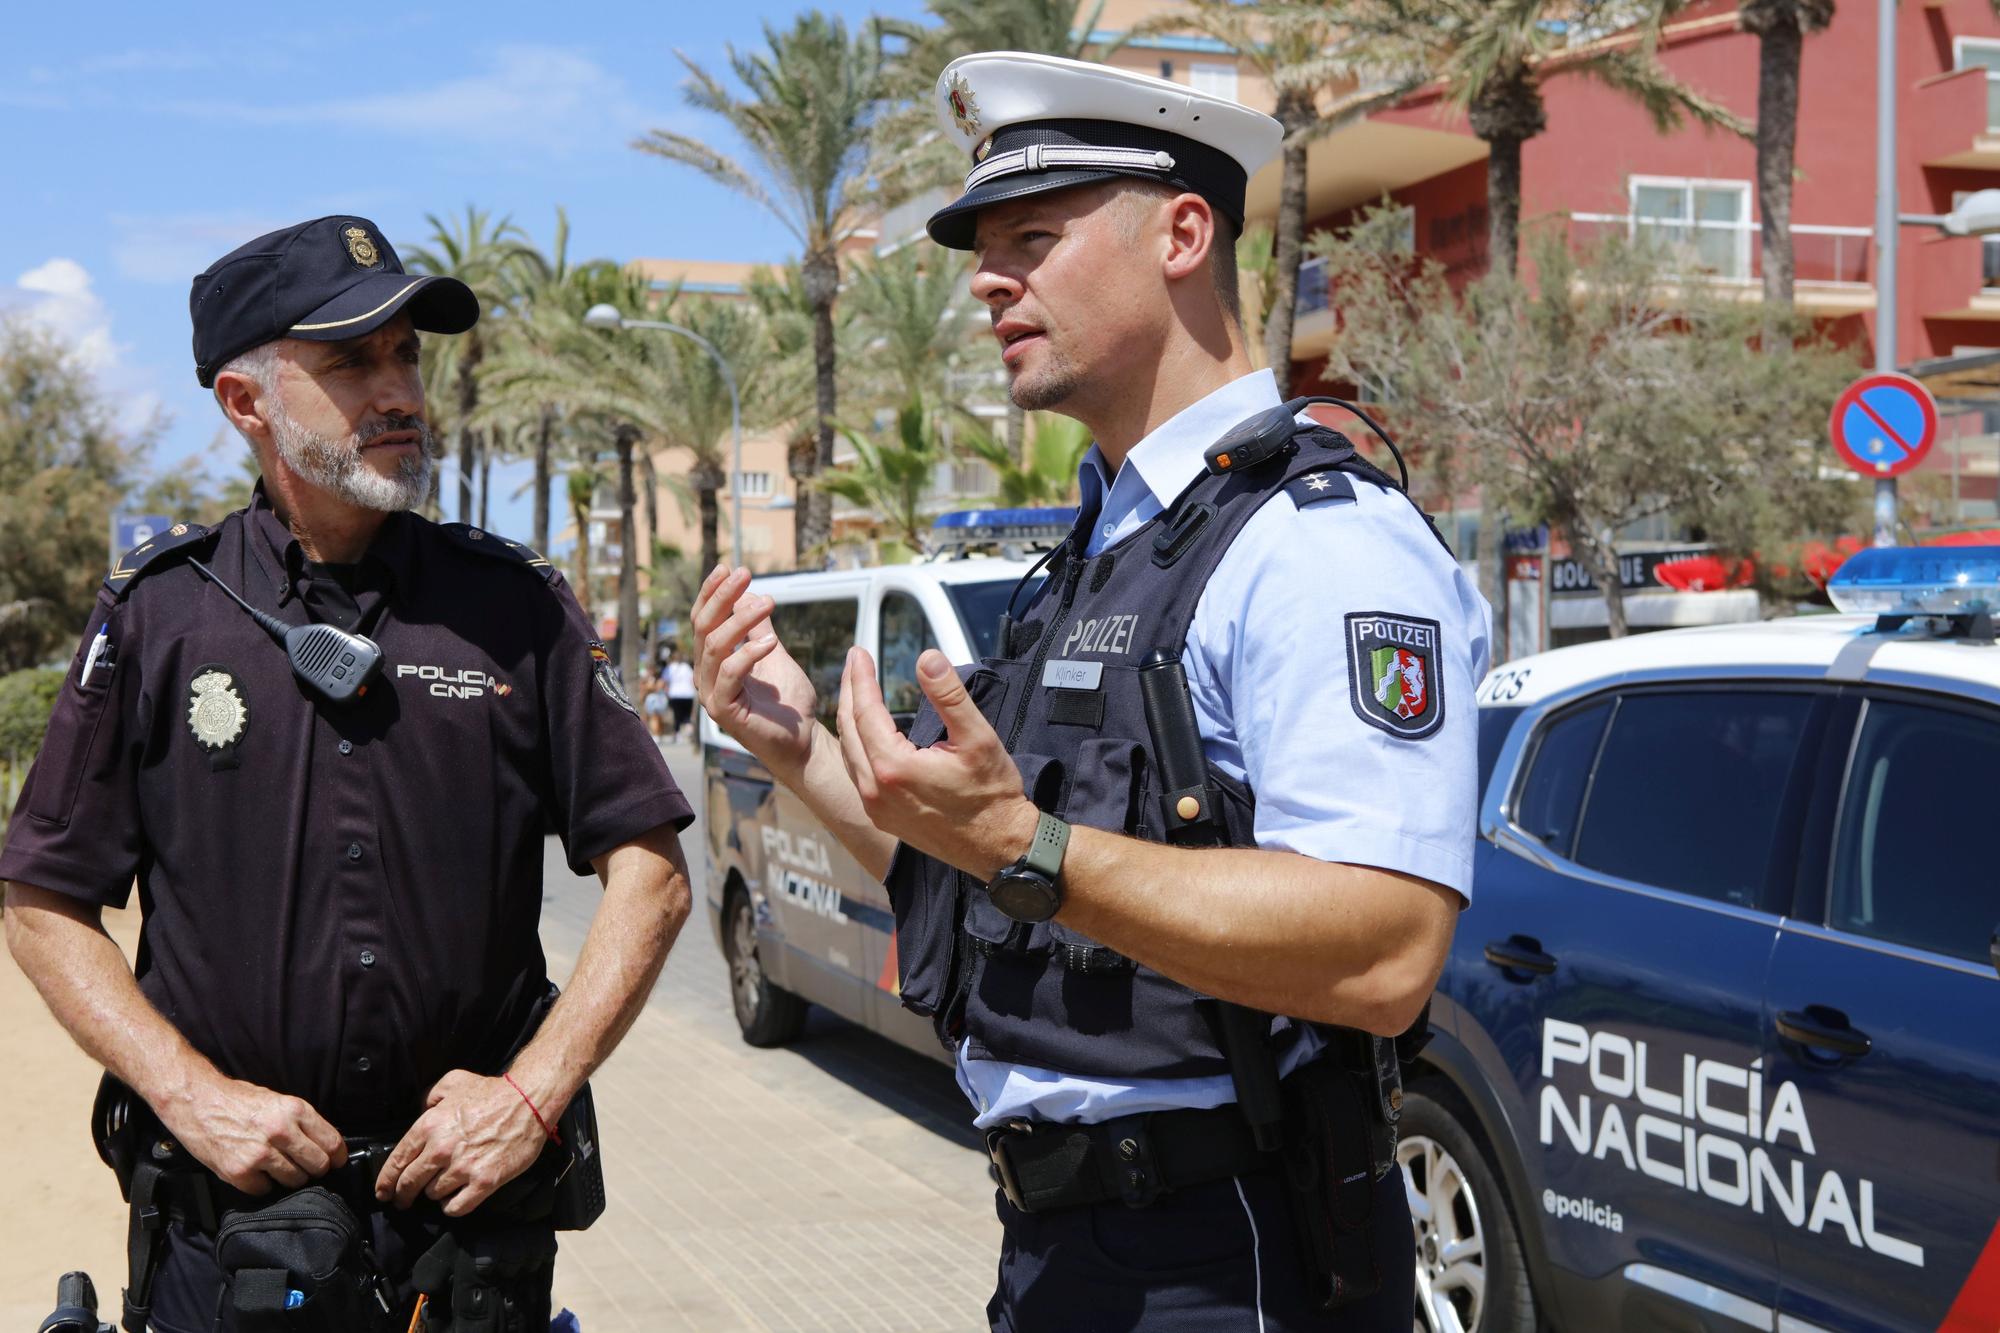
(1169, 928)
(339, 981)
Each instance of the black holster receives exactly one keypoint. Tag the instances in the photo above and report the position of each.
(1340, 1140)
(487, 1281)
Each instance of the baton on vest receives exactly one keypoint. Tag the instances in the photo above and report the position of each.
(1187, 808)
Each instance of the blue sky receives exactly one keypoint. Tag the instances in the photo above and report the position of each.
(139, 141)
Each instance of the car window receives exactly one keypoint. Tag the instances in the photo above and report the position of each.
(979, 607)
(1688, 790)
(1494, 724)
(1911, 864)
(905, 632)
(1552, 794)
(818, 635)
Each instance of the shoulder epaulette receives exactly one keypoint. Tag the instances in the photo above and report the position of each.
(494, 546)
(151, 554)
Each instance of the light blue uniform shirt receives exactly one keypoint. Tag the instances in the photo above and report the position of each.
(1266, 661)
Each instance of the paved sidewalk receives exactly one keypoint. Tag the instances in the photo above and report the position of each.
(834, 1185)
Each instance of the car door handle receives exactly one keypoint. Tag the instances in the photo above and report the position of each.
(1519, 953)
(1827, 1029)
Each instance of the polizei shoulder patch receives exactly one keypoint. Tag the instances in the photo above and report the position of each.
(1395, 680)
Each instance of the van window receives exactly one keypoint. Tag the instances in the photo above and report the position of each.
(1688, 790)
(979, 606)
(1912, 865)
(906, 633)
(818, 635)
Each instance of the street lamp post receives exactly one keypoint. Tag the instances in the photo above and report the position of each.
(606, 316)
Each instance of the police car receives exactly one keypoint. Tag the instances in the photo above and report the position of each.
(1718, 1044)
(797, 918)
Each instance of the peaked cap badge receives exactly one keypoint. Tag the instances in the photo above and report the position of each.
(964, 109)
(360, 247)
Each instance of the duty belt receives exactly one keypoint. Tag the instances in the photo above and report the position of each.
(1130, 1160)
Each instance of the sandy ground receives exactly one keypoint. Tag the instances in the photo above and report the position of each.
(62, 1209)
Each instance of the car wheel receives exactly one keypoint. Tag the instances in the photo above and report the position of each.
(765, 1014)
(1471, 1276)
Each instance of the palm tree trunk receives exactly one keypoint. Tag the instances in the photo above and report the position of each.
(1295, 112)
(1778, 55)
(814, 520)
(582, 516)
(468, 402)
(467, 450)
(542, 449)
(1503, 203)
(628, 569)
(485, 481)
(710, 507)
(649, 477)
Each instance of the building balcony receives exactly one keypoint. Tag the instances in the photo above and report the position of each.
(1953, 120)
(1956, 277)
(1831, 266)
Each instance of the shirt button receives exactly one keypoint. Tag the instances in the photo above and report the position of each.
(347, 747)
(1108, 529)
(367, 958)
(364, 1064)
(354, 851)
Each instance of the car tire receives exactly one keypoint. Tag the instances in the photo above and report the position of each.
(767, 1015)
(1462, 1223)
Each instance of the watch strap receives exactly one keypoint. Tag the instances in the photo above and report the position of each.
(1045, 852)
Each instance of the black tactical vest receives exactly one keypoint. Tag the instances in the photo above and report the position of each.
(1064, 697)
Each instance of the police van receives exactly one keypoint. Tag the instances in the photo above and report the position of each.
(1718, 1043)
(798, 920)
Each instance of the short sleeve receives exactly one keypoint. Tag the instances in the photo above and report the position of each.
(1334, 655)
(76, 829)
(609, 782)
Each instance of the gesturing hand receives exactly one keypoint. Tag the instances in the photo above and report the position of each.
(477, 1135)
(959, 800)
(252, 1136)
(745, 679)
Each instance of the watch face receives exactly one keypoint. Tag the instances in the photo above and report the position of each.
(1025, 897)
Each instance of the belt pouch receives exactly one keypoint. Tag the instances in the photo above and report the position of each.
(1330, 1179)
(488, 1281)
(300, 1264)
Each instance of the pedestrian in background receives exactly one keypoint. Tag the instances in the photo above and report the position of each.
(680, 689)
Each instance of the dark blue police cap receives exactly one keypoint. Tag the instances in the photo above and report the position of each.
(326, 280)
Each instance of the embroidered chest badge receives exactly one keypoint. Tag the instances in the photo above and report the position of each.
(1395, 680)
(216, 712)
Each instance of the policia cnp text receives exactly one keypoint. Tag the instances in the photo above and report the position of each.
(342, 1083)
(1170, 896)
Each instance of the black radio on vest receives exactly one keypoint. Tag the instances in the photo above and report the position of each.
(334, 664)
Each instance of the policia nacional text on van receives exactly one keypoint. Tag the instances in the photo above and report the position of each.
(1115, 854)
(340, 1088)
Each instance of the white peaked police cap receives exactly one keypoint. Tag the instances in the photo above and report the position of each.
(1032, 123)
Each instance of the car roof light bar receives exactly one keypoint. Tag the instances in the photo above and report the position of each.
(1899, 583)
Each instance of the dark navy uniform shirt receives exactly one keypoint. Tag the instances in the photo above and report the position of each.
(340, 902)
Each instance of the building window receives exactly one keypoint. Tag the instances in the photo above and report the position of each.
(1976, 53)
(753, 485)
(1166, 69)
(1705, 225)
(1215, 80)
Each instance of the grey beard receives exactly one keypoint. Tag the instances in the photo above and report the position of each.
(335, 465)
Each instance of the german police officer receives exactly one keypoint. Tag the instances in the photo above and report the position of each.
(339, 859)
(1206, 821)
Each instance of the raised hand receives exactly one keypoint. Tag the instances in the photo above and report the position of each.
(745, 679)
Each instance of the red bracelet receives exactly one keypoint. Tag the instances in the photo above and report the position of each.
(553, 1136)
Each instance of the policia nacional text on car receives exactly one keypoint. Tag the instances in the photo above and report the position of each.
(349, 1079)
(1250, 638)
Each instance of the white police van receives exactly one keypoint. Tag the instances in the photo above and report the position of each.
(798, 919)
(1718, 1044)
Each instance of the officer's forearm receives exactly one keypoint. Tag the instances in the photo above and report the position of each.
(828, 791)
(61, 946)
(646, 900)
(1280, 932)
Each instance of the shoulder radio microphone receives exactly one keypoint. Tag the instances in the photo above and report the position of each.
(334, 664)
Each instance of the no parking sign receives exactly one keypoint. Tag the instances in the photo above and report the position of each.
(1884, 424)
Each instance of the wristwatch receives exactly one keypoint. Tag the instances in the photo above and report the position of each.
(1026, 890)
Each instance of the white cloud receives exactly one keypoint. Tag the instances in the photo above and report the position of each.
(539, 98)
(59, 296)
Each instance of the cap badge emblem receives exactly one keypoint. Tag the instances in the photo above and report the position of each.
(964, 110)
(216, 712)
(360, 248)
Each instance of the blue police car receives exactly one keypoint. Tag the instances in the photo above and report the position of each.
(1718, 1044)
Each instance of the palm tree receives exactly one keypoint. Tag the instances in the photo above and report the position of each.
(1043, 474)
(581, 486)
(910, 309)
(481, 254)
(540, 285)
(1492, 57)
(1781, 27)
(806, 121)
(1304, 52)
(892, 478)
